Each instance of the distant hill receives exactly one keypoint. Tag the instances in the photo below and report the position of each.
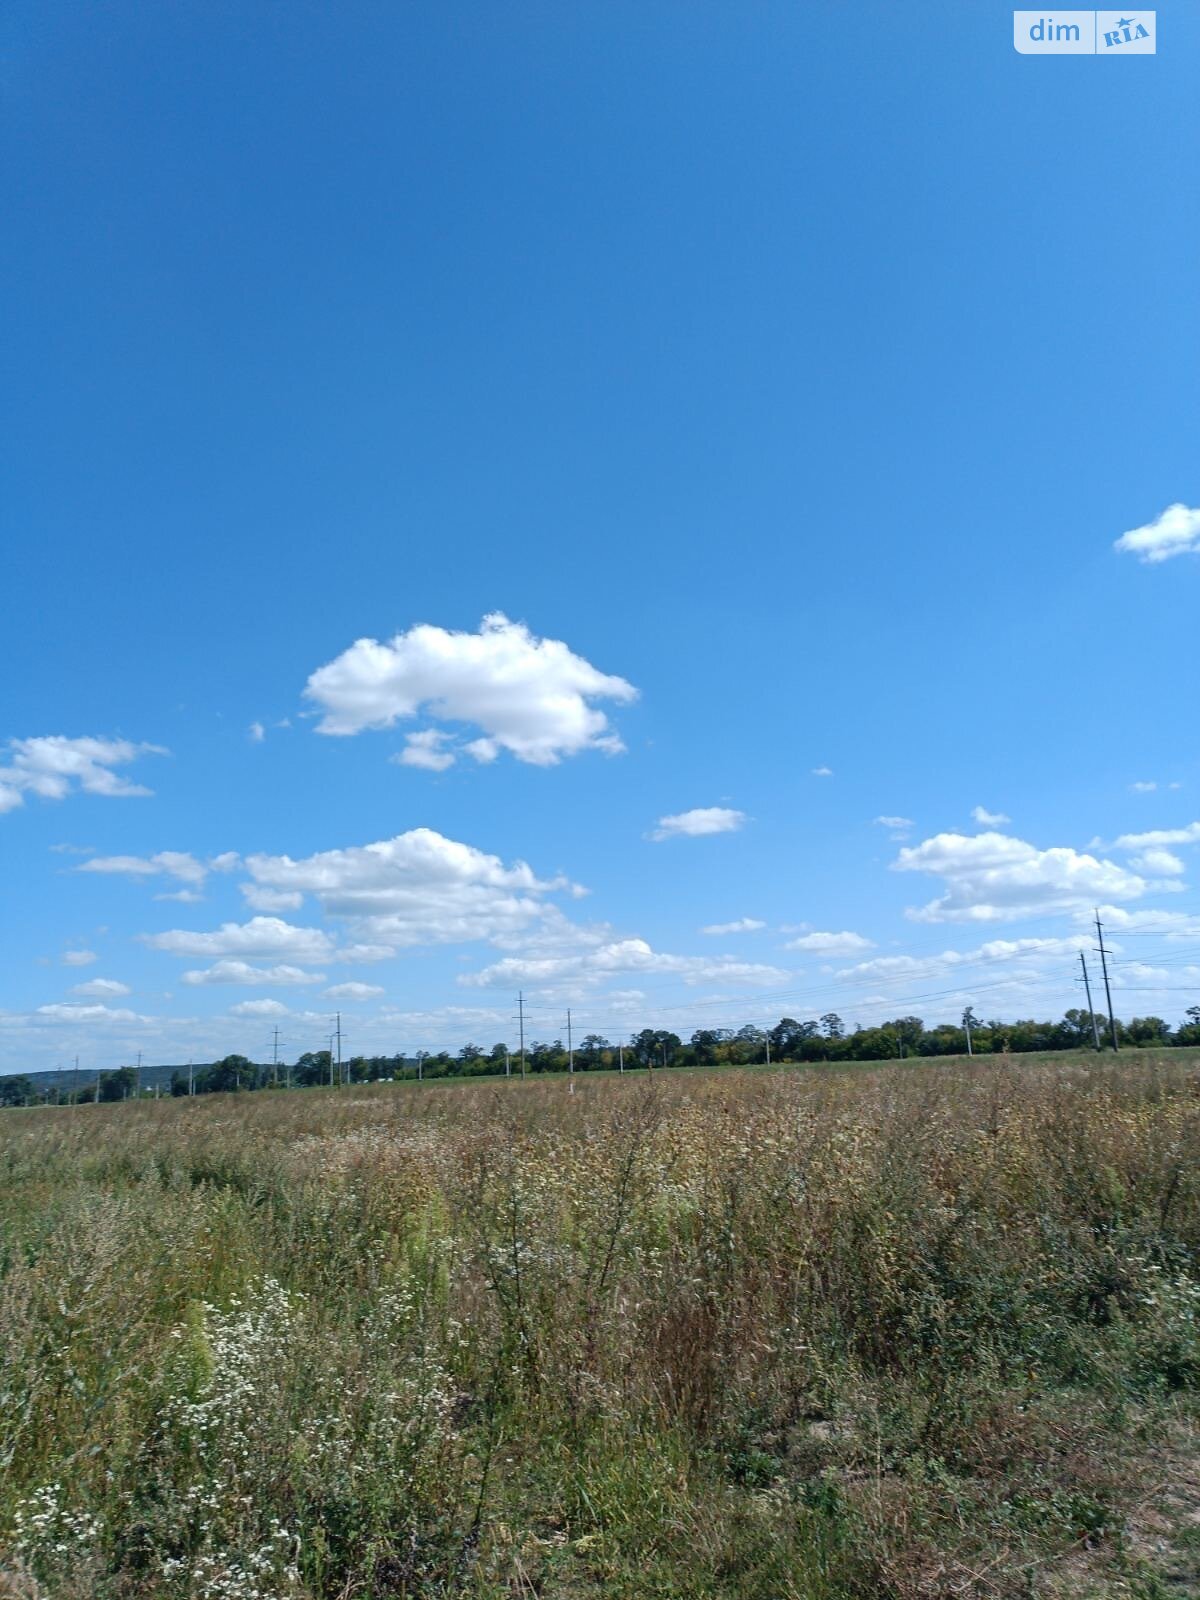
(67, 1078)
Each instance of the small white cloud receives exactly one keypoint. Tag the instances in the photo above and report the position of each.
(66, 1012)
(900, 824)
(1160, 836)
(169, 863)
(822, 772)
(243, 972)
(596, 966)
(989, 819)
(256, 733)
(51, 767)
(1175, 533)
(1144, 786)
(532, 697)
(259, 1008)
(427, 750)
(354, 991)
(350, 954)
(260, 899)
(698, 822)
(183, 897)
(831, 944)
(742, 925)
(261, 936)
(101, 989)
(79, 958)
(1157, 863)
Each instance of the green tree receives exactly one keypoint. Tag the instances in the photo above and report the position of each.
(312, 1068)
(118, 1085)
(230, 1074)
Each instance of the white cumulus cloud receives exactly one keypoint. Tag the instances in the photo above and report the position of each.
(260, 899)
(992, 877)
(1175, 533)
(830, 944)
(416, 888)
(590, 967)
(261, 936)
(351, 954)
(699, 821)
(244, 972)
(900, 824)
(742, 925)
(1015, 957)
(427, 749)
(52, 766)
(989, 819)
(1157, 863)
(353, 991)
(1160, 836)
(66, 1012)
(532, 697)
(170, 863)
(79, 958)
(259, 1008)
(101, 989)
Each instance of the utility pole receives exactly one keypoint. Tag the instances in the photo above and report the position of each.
(620, 1055)
(1112, 1021)
(768, 1049)
(570, 1046)
(331, 1038)
(191, 1079)
(521, 1017)
(967, 1027)
(338, 1019)
(275, 1058)
(1088, 991)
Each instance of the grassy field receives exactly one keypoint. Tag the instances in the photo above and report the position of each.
(930, 1330)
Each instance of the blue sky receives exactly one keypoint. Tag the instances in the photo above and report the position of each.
(784, 376)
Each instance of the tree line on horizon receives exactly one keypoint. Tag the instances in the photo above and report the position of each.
(824, 1039)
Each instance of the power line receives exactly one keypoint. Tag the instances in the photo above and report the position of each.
(1112, 1021)
(1088, 989)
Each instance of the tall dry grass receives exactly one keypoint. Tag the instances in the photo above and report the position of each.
(905, 1332)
